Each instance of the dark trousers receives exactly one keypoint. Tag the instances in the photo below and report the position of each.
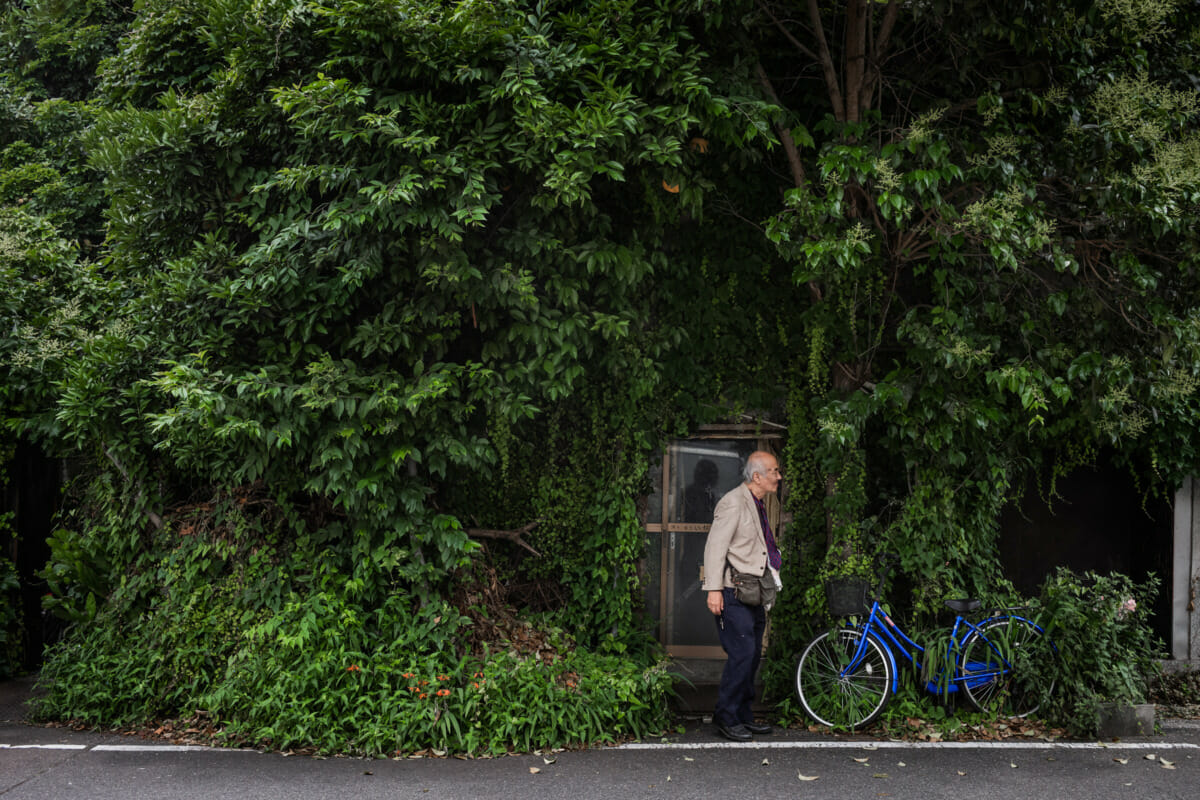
(741, 636)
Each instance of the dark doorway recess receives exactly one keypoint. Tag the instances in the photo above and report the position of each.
(1101, 522)
(33, 495)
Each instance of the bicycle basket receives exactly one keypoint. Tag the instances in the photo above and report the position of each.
(846, 596)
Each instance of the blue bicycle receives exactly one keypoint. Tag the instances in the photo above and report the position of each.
(846, 676)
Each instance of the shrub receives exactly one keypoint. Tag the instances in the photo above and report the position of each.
(384, 703)
(1103, 648)
(10, 619)
(282, 644)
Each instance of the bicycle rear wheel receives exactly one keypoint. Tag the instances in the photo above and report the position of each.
(836, 692)
(994, 667)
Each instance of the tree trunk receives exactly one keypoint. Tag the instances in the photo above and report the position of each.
(856, 58)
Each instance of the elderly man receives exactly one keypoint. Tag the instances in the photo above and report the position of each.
(741, 539)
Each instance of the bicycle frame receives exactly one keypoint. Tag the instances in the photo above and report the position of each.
(880, 624)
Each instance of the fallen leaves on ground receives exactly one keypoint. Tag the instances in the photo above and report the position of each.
(915, 729)
(197, 730)
(1179, 710)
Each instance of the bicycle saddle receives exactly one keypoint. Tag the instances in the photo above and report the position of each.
(963, 606)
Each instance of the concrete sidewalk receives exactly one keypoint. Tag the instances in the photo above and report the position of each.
(14, 695)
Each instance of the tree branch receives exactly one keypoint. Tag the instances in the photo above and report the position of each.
(882, 42)
(885, 32)
(856, 58)
(513, 536)
(799, 45)
(827, 65)
(141, 496)
(785, 133)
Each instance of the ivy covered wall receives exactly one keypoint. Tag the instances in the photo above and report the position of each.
(364, 320)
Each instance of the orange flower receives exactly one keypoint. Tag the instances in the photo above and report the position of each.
(475, 684)
(422, 696)
(443, 692)
(353, 668)
(443, 677)
(408, 675)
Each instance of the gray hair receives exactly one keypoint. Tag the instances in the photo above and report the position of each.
(754, 463)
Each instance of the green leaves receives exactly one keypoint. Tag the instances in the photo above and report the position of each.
(340, 253)
(418, 264)
(991, 283)
(278, 648)
(354, 249)
(1104, 647)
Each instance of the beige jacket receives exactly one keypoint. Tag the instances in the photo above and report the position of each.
(736, 534)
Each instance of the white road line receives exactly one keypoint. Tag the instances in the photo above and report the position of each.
(834, 745)
(166, 748)
(43, 747)
(129, 748)
(783, 745)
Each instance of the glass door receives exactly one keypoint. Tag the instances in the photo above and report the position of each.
(694, 475)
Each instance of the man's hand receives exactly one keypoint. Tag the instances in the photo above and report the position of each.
(716, 602)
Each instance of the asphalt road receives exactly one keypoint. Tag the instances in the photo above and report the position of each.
(48, 764)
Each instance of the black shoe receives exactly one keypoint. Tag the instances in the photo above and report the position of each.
(735, 733)
(758, 728)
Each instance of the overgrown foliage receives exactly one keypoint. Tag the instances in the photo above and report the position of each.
(410, 275)
(1103, 647)
(222, 618)
(11, 639)
(962, 250)
(993, 235)
(363, 263)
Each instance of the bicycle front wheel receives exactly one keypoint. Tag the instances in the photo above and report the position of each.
(839, 690)
(994, 667)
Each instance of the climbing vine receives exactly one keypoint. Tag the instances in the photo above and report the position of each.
(386, 307)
